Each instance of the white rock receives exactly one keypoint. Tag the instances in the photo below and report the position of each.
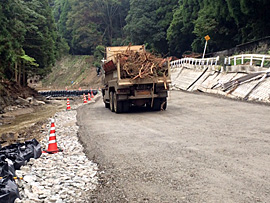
(38, 189)
(29, 179)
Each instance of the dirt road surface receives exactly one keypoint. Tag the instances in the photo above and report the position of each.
(201, 149)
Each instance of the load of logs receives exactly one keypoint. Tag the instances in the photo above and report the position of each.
(134, 65)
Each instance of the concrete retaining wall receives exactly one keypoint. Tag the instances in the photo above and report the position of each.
(210, 80)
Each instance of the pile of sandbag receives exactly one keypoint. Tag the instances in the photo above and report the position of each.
(12, 158)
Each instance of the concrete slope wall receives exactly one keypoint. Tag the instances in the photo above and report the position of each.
(212, 79)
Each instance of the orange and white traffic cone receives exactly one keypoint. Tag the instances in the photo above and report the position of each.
(92, 95)
(68, 105)
(89, 98)
(52, 146)
(84, 99)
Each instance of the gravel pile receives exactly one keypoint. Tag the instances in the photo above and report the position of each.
(66, 176)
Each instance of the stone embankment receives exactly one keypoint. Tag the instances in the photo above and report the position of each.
(66, 176)
(241, 82)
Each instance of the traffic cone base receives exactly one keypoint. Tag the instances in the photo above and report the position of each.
(52, 152)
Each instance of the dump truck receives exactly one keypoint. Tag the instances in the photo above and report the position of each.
(134, 77)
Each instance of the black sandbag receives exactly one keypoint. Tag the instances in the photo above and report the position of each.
(13, 153)
(8, 190)
(9, 149)
(6, 166)
(17, 159)
(11, 167)
(18, 162)
(4, 170)
(26, 153)
(35, 147)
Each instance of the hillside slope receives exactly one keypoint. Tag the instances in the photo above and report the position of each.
(73, 72)
(10, 91)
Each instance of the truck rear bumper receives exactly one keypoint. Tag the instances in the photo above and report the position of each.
(128, 82)
(127, 97)
(143, 96)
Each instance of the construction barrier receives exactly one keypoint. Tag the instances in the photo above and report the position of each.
(66, 93)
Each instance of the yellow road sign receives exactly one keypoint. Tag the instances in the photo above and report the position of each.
(207, 37)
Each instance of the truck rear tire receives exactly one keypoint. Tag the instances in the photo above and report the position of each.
(111, 102)
(159, 104)
(163, 103)
(156, 105)
(107, 105)
(118, 107)
(125, 106)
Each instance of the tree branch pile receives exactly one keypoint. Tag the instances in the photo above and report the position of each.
(135, 65)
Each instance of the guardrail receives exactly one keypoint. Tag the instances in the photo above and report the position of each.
(195, 61)
(247, 58)
(243, 59)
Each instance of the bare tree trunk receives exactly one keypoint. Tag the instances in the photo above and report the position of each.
(16, 71)
(19, 74)
(24, 77)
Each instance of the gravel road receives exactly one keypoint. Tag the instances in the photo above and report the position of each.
(201, 149)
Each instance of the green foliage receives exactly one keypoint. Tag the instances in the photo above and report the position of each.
(85, 34)
(141, 21)
(148, 21)
(28, 38)
(173, 26)
(213, 20)
(251, 18)
(85, 24)
(46, 30)
(98, 55)
(40, 40)
(180, 33)
(112, 13)
(12, 31)
(29, 60)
